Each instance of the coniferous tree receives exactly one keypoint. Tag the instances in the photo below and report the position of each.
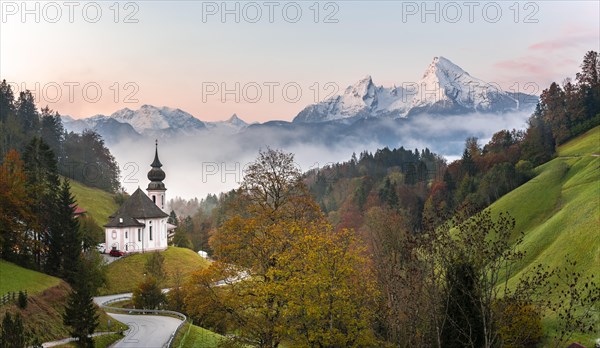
(43, 184)
(80, 312)
(172, 218)
(539, 143)
(7, 98)
(589, 83)
(68, 225)
(27, 113)
(13, 333)
(52, 132)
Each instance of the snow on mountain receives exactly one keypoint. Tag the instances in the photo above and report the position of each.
(445, 88)
(230, 126)
(150, 118)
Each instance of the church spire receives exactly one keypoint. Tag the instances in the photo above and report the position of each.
(156, 175)
(156, 163)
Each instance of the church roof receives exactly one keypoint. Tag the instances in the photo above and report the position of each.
(138, 206)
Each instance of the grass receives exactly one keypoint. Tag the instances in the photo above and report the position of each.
(44, 311)
(15, 278)
(559, 212)
(197, 338)
(99, 204)
(102, 341)
(106, 340)
(125, 274)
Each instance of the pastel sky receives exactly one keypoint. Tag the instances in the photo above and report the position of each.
(86, 58)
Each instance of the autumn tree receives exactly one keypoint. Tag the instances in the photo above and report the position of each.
(15, 209)
(270, 242)
(399, 275)
(332, 291)
(148, 294)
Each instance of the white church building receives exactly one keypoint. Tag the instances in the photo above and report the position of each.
(140, 224)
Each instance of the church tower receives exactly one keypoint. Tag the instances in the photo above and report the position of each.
(156, 187)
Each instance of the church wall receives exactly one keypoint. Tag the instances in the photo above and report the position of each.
(127, 239)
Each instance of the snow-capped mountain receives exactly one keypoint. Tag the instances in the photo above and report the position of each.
(149, 118)
(362, 99)
(230, 126)
(445, 88)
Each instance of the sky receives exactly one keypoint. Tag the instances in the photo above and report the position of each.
(267, 60)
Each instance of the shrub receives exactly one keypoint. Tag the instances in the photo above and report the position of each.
(22, 300)
(520, 324)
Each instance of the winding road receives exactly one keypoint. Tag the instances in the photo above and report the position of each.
(144, 330)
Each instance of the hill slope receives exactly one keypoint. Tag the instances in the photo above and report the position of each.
(559, 209)
(15, 278)
(99, 204)
(47, 297)
(125, 274)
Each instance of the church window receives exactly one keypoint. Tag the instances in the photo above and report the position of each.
(150, 234)
(125, 234)
(114, 234)
(139, 235)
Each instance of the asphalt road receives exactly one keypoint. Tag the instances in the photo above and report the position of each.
(145, 331)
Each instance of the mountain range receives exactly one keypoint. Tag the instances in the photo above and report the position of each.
(444, 89)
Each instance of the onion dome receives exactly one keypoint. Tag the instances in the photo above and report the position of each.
(156, 175)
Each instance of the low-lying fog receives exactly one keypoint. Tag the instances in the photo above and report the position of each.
(213, 163)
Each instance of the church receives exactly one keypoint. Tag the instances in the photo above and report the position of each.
(140, 224)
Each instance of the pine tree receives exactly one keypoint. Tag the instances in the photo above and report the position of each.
(42, 184)
(27, 113)
(172, 218)
(6, 100)
(13, 333)
(52, 131)
(589, 84)
(68, 232)
(80, 313)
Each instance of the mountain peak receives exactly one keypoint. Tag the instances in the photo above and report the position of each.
(366, 79)
(443, 66)
(445, 88)
(235, 120)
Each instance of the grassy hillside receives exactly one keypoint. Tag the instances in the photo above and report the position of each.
(197, 337)
(99, 204)
(46, 301)
(14, 278)
(126, 273)
(559, 209)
